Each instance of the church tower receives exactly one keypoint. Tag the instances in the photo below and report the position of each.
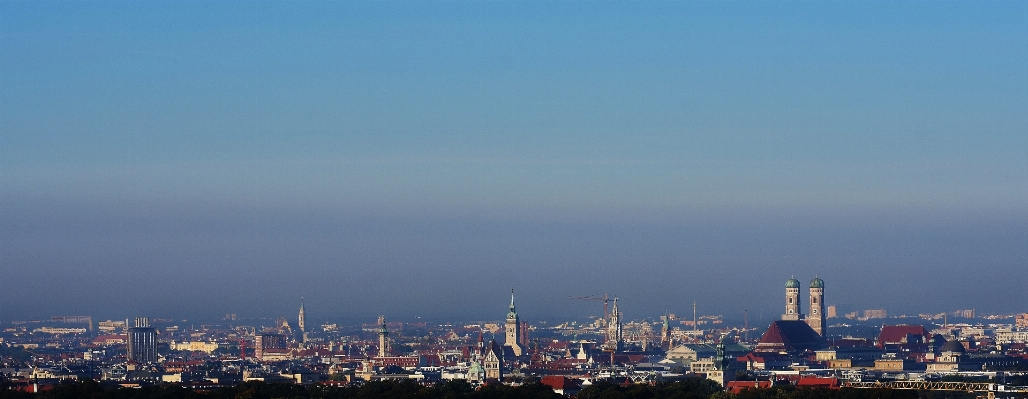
(792, 300)
(514, 329)
(383, 337)
(722, 372)
(817, 319)
(614, 333)
(665, 332)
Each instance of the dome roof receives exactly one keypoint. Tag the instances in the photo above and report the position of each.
(953, 346)
(792, 283)
(817, 283)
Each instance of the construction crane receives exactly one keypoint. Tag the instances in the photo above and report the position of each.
(604, 298)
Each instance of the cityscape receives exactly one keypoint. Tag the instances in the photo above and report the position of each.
(437, 199)
(811, 345)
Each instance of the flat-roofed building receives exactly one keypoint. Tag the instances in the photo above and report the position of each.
(195, 346)
(142, 342)
(265, 344)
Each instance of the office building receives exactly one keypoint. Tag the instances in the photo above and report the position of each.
(142, 342)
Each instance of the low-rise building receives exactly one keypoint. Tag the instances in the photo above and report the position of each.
(194, 346)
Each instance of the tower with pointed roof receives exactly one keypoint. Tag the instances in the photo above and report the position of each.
(480, 348)
(513, 329)
(722, 371)
(792, 300)
(665, 332)
(614, 333)
(817, 318)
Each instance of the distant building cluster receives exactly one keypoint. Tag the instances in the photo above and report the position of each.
(800, 348)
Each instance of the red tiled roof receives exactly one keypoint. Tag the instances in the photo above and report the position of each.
(818, 382)
(738, 386)
(790, 334)
(898, 334)
(559, 382)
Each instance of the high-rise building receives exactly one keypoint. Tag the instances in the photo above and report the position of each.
(817, 318)
(269, 344)
(513, 329)
(792, 300)
(142, 342)
(833, 312)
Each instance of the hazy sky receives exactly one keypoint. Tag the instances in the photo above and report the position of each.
(192, 159)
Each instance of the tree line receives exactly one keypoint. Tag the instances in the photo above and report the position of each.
(459, 389)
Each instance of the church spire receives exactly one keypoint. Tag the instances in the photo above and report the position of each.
(614, 333)
(513, 327)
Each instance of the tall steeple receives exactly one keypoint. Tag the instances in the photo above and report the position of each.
(481, 344)
(513, 329)
(512, 300)
(665, 331)
(614, 334)
(722, 365)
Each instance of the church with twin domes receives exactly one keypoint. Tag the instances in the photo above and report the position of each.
(797, 331)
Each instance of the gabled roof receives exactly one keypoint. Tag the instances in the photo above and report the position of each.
(700, 349)
(898, 334)
(493, 350)
(790, 335)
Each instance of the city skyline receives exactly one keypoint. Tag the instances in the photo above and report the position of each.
(419, 159)
(835, 313)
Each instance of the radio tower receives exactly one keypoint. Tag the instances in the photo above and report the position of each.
(695, 327)
(302, 321)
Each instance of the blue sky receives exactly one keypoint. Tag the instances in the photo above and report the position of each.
(405, 143)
